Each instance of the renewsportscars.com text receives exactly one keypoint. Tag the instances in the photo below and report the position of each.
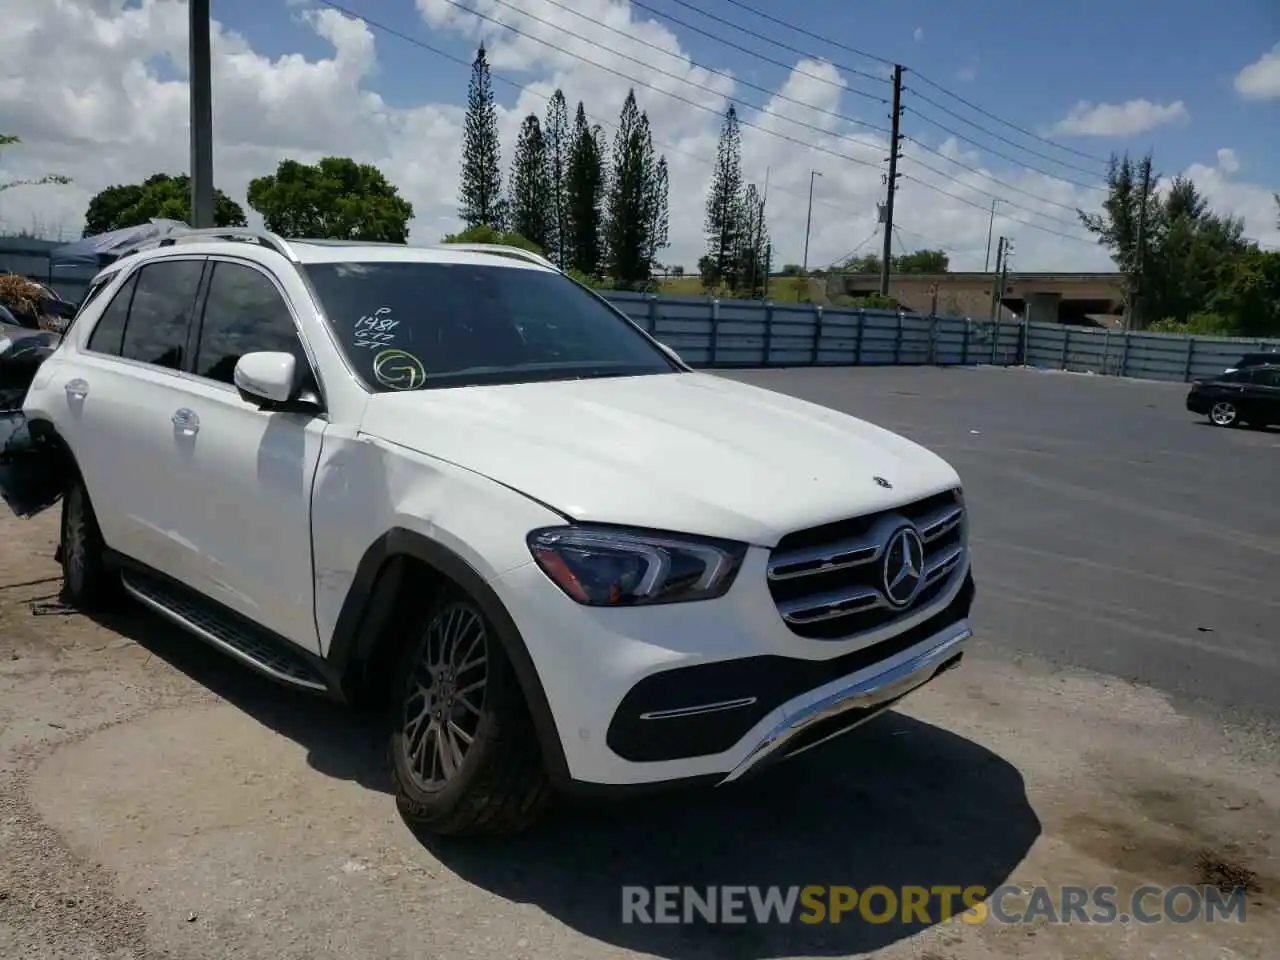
(1009, 904)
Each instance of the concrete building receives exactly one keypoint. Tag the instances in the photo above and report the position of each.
(1090, 299)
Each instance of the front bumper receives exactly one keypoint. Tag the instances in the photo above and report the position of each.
(711, 691)
(852, 705)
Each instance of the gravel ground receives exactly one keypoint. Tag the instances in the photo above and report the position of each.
(157, 801)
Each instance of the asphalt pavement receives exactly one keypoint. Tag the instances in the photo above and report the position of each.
(1112, 530)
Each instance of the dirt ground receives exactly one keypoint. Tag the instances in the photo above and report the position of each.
(158, 801)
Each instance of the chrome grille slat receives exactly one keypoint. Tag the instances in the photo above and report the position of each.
(828, 582)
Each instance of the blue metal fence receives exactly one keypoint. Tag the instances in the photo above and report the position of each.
(747, 333)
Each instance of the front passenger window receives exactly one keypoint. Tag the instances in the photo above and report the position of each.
(243, 313)
(160, 317)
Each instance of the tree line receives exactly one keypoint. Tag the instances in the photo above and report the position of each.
(598, 210)
(1187, 268)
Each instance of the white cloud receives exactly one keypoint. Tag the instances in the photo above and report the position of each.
(1260, 80)
(1228, 162)
(1086, 119)
(918, 35)
(106, 116)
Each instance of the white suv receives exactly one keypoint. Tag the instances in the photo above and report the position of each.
(455, 480)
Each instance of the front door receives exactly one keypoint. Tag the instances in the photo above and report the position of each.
(245, 473)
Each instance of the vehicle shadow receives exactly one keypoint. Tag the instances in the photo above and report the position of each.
(340, 742)
(898, 803)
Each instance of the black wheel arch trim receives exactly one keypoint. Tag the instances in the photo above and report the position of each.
(370, 603)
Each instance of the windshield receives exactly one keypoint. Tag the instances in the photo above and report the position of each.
(413, 326)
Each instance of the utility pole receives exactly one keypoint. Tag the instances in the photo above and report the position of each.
(986, 264)
(1135, 286)
(891, 181)
(809, 222)
(997, 288)
(201, 86)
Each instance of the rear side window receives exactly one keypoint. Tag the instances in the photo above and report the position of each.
(108, 334)
(160, 315)
(243, 313)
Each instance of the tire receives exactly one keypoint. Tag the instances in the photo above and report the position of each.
(500, 785)
(88, 582)
(1224, 414)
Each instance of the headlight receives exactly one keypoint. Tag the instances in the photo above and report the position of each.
(617, 567)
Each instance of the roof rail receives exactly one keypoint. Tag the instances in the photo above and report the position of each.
(502, 249)
(237, 234)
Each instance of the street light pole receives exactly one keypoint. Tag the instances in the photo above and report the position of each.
(809, 221)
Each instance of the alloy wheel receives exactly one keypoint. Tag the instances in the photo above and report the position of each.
(442, 709)
(1223, 414)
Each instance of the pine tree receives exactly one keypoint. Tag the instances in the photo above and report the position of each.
(753, 241)
(532, 215)
(724, 215)
(480, 195)
(659, 229)
(556, 134)
(630, 193)
(584, 192)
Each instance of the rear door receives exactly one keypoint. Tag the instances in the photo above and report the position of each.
(118, 395)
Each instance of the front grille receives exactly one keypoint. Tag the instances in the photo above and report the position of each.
(829, 582)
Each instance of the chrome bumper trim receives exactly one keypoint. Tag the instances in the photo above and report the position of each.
(881, 689)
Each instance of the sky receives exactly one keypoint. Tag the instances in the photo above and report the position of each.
(1013, 103)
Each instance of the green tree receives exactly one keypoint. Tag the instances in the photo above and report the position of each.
(658, 214)
(1249, 293)
(48, 179)
(724, 204)
(532, 208)
(629, 211)
(584, 194)
(922, 261)
(483, 233)
(753, 241)
(336, 199)
(559, 144)
(480, 194)
(160, 196)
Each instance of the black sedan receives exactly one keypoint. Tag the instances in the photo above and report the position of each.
(1249, 396)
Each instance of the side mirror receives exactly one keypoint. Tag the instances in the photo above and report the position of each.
(266, 378)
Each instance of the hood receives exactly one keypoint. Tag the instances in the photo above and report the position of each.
(686, 452)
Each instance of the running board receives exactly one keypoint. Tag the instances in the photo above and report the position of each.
(249, 644)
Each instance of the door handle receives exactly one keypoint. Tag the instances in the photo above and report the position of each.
(77, 389)
(186, 422)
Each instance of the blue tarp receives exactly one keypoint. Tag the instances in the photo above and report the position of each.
(102, 248)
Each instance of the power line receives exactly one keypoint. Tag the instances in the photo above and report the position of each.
(995, 196)
(666, 93)
(760, 56)
(678, 56)
(777, 43)
(519, 86)
(1013, 126)
(982, 207)
(996, 180)
(1005, 156)
(871, 56)
(746, 123)
(675, 76)
(803, 32)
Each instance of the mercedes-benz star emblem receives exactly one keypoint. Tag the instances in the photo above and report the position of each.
(881, 481)
(903, 567)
